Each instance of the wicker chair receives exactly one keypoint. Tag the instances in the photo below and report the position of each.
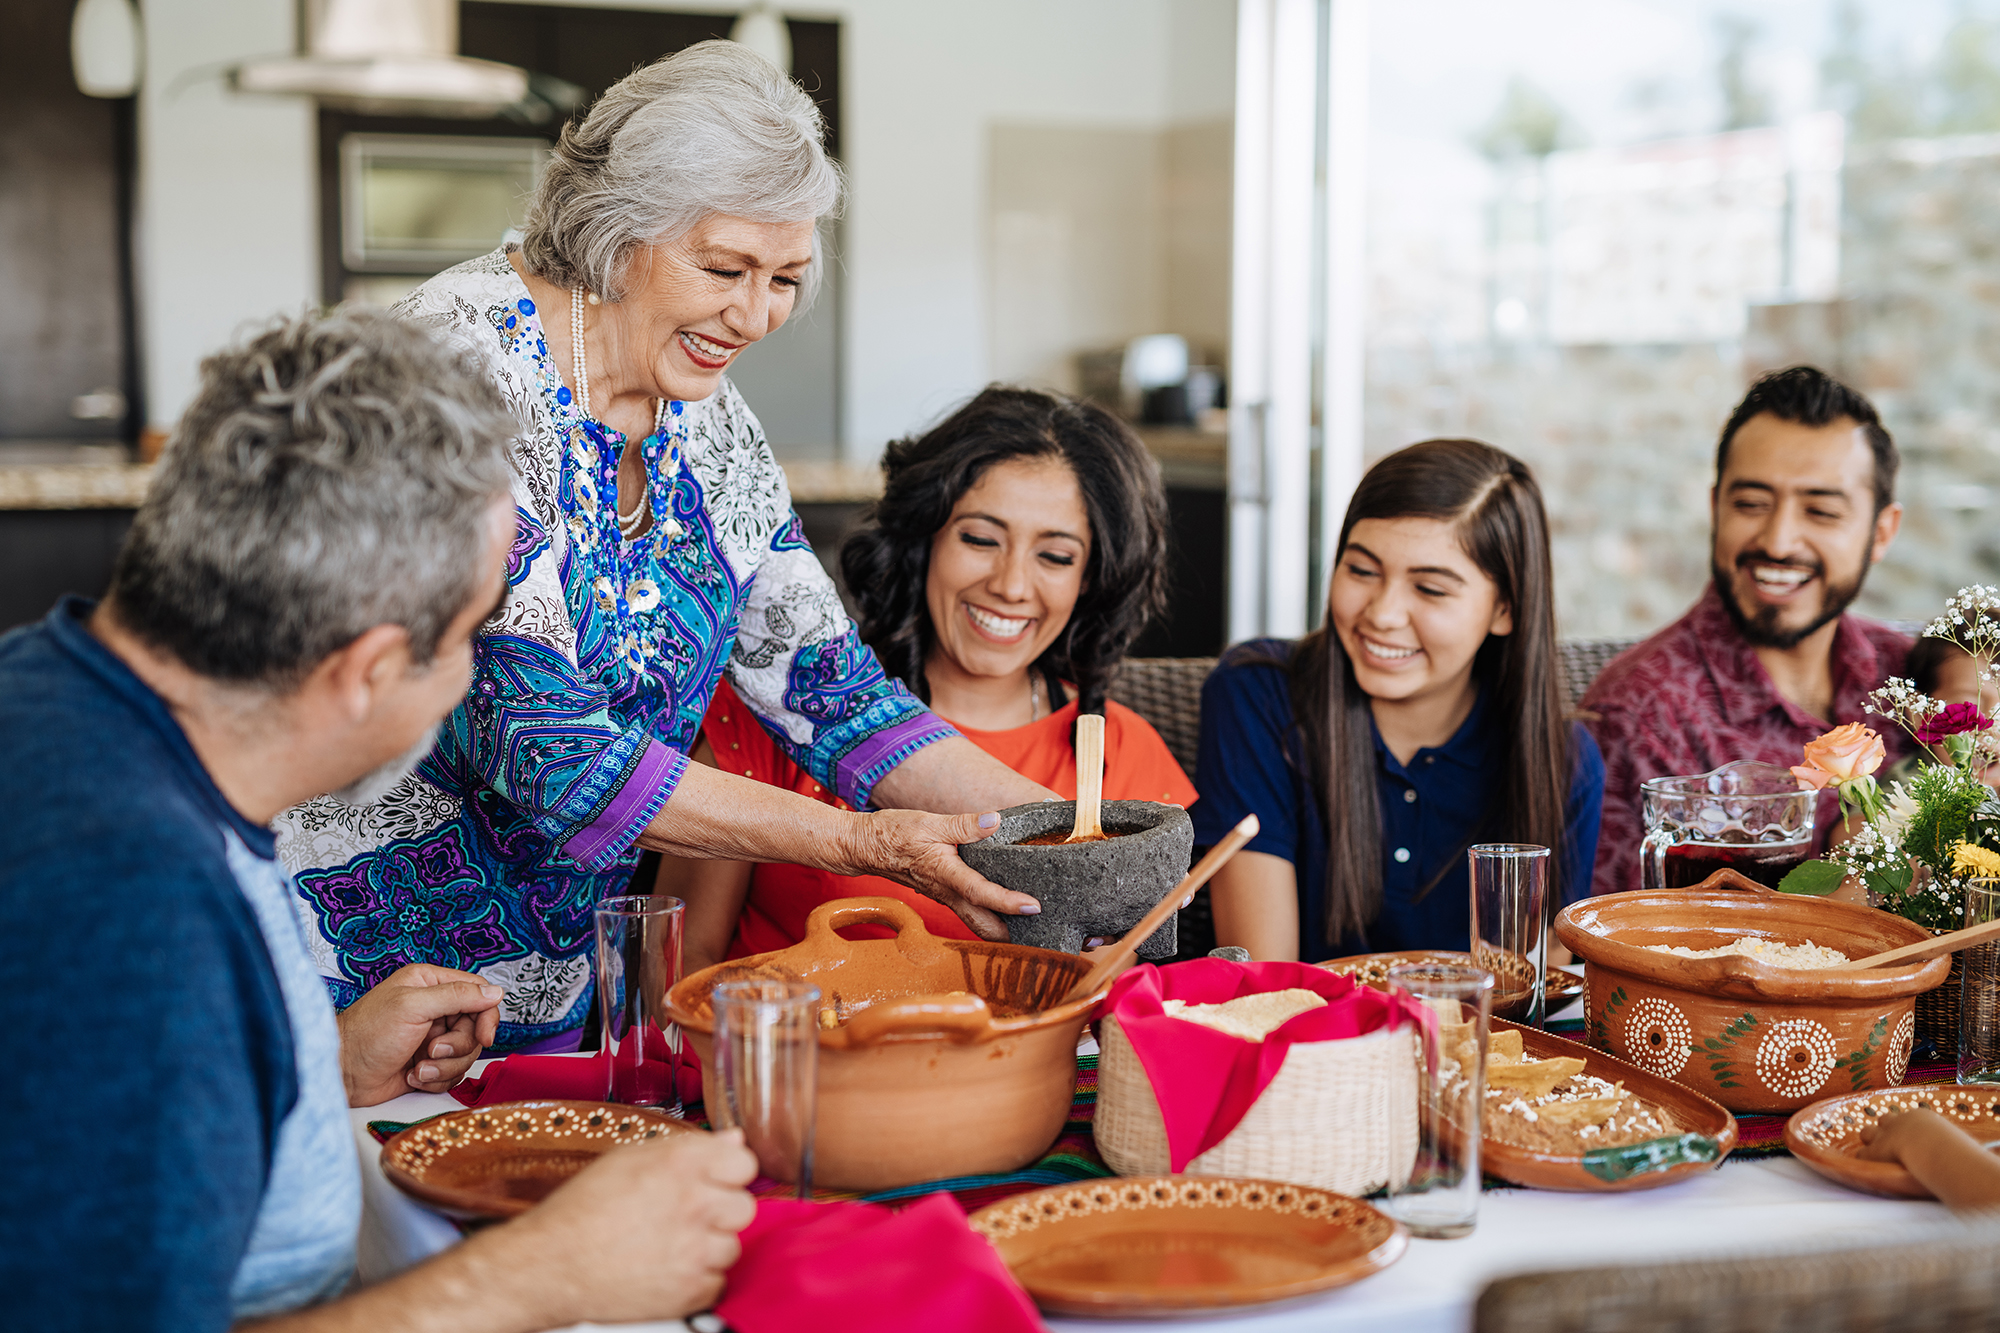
(1943, 1278)
(1166, 691)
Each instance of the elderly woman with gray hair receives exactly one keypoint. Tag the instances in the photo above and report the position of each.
(656, 549)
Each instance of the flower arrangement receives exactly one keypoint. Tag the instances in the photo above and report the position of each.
(1942, 817)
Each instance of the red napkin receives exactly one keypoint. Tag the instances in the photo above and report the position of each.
(850, 1267)
(584, 1078)
(1206, 1081)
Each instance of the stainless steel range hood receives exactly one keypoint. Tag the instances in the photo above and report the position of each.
(388, 57)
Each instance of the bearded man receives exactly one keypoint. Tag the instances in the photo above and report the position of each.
(1803, 505)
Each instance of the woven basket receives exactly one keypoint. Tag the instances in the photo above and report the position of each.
(1341, 1115)
(1937, 1012)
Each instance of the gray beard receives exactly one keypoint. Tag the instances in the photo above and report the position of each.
(373, 785)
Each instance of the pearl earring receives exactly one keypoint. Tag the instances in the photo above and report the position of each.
(593, 298)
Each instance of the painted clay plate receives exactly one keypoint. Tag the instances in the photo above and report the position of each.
(1827, 1134)
(1372, 969)
(498, 1161)
(1704, 1132)
(1164, 1245)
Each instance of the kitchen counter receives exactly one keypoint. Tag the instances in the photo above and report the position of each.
(58, 475)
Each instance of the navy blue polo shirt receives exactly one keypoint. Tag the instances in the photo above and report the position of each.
(1252, 760)
(146, 1047)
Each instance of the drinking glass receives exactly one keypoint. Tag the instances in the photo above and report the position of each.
(1979, 991)
(767, 1061)
(638, 962)
(1746, 816)
(1440, 1199)
(1510, 903)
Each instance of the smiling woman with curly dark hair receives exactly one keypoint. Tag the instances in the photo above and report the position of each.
(1018, 549)
(887, 562)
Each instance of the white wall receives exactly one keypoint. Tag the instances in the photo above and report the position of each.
(228, 232)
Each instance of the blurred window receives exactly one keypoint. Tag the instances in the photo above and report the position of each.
(1592, 222)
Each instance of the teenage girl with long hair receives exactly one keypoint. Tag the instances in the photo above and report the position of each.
(1423, 718)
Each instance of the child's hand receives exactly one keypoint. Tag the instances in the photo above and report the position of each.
(1945, 1160)
(1912, 1131)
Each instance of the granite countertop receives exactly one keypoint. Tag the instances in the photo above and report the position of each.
(61, 475)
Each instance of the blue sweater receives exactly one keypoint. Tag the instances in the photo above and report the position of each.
(1252, 760)
(149, 1060)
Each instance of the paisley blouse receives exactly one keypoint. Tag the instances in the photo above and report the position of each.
(588, 690)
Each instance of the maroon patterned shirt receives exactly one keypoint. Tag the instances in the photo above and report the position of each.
(1694, 697)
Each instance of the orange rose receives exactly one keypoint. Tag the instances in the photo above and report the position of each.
(1842, 755)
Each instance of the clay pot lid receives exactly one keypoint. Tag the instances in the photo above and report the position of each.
(1613, 930)
(488, 1162)
(1153, 1245)
(1826, 1135)
(913, 987)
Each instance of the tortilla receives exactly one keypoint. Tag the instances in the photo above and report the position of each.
(1250, 1017)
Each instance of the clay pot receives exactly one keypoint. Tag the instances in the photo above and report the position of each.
(948, 1060)
(1753, 1037)
(1088, 888)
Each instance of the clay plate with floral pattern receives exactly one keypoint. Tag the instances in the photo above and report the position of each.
(1372, 969)
(1165, 1245)
(489, 1162)
(1827, 1134)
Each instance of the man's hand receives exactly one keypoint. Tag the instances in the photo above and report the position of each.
(921, 851)
(419, 1030)
(645, 1232)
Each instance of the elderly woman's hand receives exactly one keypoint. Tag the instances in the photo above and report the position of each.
(921, 850)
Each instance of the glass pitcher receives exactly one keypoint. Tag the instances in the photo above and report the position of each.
(1746, 816)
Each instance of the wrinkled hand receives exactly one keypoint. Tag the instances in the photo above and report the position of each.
(646, 1231)
(419, 1029)
(921, 851)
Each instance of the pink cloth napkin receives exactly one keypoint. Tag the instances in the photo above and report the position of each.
(585, 1078)
(1206, 1081)
(850, 1267)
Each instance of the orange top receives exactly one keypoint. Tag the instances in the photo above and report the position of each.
(1137, 767)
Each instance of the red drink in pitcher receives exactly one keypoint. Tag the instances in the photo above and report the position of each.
(1689, 863)
(1748, 816)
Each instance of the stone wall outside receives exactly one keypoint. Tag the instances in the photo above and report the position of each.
(1622, 437)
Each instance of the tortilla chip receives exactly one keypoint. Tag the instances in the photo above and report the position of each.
(1534, 1078)
(1505, 1048)
(1583, 1111)
(1250, 1017)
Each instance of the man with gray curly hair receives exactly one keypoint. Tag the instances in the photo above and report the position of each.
(292, 613)
(657, 550)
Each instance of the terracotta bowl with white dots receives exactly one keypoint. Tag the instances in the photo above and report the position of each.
(1754, 1037)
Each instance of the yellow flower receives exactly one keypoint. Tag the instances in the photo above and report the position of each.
(1969, 856)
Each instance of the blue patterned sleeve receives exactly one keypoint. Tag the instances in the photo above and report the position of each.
(802, 668)
(534, 732)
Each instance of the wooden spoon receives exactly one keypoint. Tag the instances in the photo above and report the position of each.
(1089, 778)
(1935, 947)
(1108, 961)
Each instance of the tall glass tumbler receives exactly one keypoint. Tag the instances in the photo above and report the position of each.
(1440, 1198)
(767, 1061)
(638, 962)
(1510, 924)
(1979, 991)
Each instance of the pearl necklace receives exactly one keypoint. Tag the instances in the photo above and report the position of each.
(629, 525)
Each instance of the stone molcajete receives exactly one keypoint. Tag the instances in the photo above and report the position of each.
(1088, 888)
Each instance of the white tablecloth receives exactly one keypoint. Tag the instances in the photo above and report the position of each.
(1739, 1207)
